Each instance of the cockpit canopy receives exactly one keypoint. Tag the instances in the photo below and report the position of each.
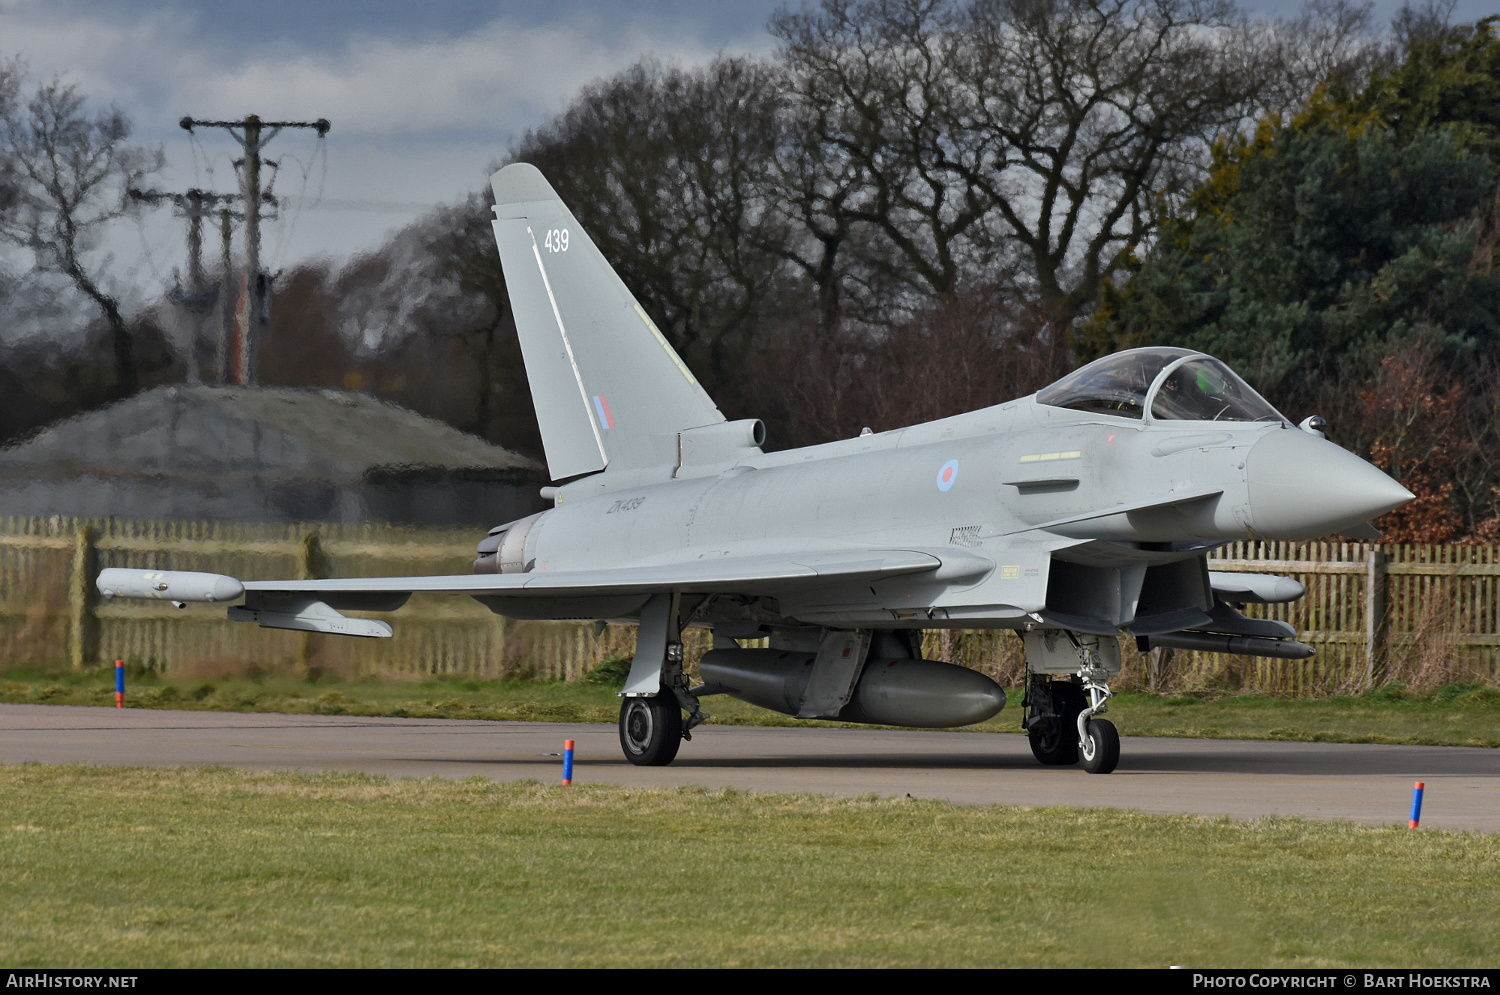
(1173, 384)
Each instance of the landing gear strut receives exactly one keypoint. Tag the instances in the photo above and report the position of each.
(656, 691)
(1098, 740)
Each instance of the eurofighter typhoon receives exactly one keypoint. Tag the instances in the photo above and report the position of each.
(1074, 516)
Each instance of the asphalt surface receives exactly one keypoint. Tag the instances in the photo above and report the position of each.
(1237, 778)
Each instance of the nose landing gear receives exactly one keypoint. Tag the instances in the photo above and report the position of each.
(1098, 740)
(1060, 716)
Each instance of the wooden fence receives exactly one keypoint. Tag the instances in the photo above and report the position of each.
(50, 611)
(1423, 615)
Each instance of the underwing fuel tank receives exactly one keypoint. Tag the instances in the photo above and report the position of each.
(925, 694)
(168, 585)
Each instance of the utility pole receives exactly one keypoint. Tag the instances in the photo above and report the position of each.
(253, 134)
(226, 298)
(195, 205)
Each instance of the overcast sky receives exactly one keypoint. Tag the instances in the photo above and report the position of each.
(422, 97)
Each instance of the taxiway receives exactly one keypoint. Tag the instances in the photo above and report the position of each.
(1241, 779)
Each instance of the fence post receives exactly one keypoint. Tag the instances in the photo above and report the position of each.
(83, 625)
(312, 564)
(1375, 572)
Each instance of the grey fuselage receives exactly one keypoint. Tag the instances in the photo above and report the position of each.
(1028, 483)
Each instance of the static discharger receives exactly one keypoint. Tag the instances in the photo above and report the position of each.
(1416, 805)
(567, 761)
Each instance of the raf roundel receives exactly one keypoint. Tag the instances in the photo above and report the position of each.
(947, 475)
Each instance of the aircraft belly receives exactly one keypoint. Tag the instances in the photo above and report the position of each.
(1003, 596)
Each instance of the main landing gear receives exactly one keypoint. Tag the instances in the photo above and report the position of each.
(651, 729)
(1060, 716)
(656, 691)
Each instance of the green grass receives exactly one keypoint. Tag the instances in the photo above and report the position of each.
(215, 867)
(1455, 715)
(537, 701)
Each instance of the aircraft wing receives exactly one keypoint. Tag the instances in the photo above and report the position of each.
(314, 605)
(748, 574)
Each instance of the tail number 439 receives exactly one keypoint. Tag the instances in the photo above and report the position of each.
(556, 240)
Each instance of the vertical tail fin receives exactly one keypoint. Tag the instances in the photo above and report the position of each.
(609, 390)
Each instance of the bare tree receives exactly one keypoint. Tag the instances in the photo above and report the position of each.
(1427, 21)
(1027, 139)
(66, 173)
(874, 82)
(1084, 114)
(1331, 44)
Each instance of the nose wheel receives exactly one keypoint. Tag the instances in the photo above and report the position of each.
(1099, 753)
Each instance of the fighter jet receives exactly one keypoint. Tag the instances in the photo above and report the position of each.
(1075, 516)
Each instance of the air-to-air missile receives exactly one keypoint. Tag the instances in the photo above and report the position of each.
(1075, 516)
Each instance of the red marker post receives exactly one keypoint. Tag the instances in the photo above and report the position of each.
(1416, 805)
(119, 683)
(567, 761)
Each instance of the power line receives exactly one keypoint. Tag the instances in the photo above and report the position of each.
(197, 205)
(355, 204)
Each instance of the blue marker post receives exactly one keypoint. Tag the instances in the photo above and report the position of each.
(119, 683)
(567, 761)
(1416, 806)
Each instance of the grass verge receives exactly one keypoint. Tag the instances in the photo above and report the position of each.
(216, 867)
(1455, 715)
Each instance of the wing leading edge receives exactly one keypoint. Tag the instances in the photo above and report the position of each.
(749, 575)
(314, 605)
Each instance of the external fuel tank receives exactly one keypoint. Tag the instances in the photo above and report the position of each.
(924, 694)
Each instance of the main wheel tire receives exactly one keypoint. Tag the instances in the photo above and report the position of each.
(651, 729)
(1056, 743)
(1101, 747)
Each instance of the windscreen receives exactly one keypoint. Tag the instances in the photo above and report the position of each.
(1207, 390)
(1114, 385)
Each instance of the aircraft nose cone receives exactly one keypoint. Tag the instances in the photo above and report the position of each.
(1304, 487)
